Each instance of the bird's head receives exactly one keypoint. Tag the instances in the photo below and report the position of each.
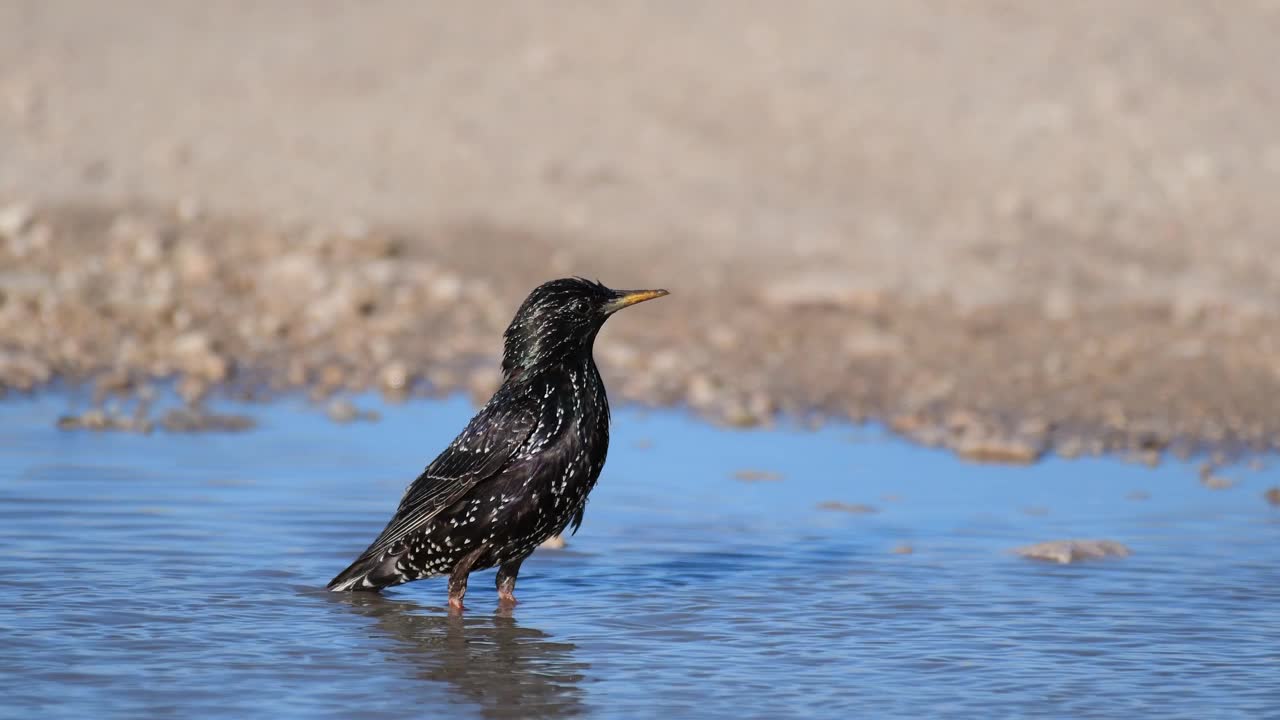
(559, 321)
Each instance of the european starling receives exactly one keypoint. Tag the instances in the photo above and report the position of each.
(521, 470)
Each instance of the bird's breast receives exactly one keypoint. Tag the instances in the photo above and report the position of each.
(572, 443)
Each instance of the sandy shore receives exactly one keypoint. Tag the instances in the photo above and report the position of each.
(1001, 228)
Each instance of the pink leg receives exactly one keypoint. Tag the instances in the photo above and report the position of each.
(507, 582)
(458, 578)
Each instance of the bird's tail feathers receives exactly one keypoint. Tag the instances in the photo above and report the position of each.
(369, 573)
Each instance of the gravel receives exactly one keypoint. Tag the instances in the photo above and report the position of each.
(1008, 229)
(122, 299)
(179, 420)
(341, 410)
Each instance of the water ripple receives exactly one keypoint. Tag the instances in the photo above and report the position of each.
(168, 576)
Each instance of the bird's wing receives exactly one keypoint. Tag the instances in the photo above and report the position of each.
(482, 450)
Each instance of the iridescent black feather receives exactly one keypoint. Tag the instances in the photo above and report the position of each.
(521, 470)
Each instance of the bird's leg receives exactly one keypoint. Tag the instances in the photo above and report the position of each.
(458, 578)
(507, 582)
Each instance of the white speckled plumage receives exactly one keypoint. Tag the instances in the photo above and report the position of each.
(522, 469)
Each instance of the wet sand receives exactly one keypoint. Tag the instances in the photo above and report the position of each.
(1006, 230)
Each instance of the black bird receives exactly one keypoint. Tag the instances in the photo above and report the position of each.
(521, 470)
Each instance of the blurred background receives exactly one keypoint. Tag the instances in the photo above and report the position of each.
(870, 209)
(1004, 228)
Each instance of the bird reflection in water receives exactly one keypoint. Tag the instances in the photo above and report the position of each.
(506, 669)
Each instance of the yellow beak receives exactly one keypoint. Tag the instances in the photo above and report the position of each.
(631, 297)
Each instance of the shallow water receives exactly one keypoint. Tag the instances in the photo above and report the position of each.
(181, 575)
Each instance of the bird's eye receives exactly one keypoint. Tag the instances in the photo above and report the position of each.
(581, 306)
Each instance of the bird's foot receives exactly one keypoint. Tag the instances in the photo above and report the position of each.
(455, 603)
(506, 580)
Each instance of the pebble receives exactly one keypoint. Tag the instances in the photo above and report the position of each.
(88, 420)
(1217, 482)
(701, 391)
(14, 220)
(740, 415)
(1150, 458)
(446, 288)
(820, 290)
(851, 508)
(1272, 495)
(394, 376)
(755, 476)
(192, 389)
(189, 209)
(23, 371)
(1212, 480)
(191, 344)
(873, 344)
(555, 542)
(342, 410)
(1070, 448)
(988, 448)
(1058, 304)
(117, 380)
(332, 377)
(196, 420)
(973, 439)
(1071, 551)
(176, 420)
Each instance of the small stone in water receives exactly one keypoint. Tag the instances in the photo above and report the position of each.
(1217, 482)
(754, 476)
(852, 508)
(991, 449)
(1212, 481)
(342, 411)
(192, 420)
(1070, 551)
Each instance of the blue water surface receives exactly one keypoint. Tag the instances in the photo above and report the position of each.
(178, 575)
